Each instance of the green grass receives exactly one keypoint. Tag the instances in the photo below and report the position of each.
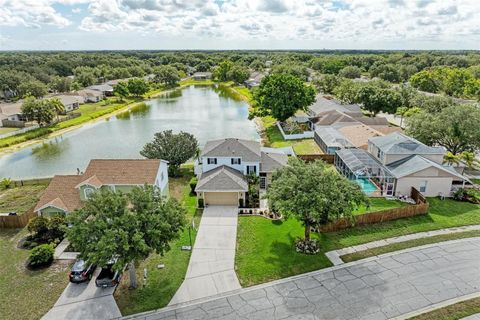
(7, 130)
(408, 244)
(190, 81)
(26, 294)
(454, 311)
(378, 204)
(265, 250)
(20, 199)
(476, 181)
(273, 138)
(162, 283)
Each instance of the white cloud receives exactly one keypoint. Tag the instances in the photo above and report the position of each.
(348, 21)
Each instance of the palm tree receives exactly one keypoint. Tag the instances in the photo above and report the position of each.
(451, 159)
(470, 160)
(57, 105)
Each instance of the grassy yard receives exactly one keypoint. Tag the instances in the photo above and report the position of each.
(273, 138)
(162, 283)
(26, 294)
(265, 249)
(408, 244)
(454, 311)
(20, 199)
(378, 204)
(7, 130)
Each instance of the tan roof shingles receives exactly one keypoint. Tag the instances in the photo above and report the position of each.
(222, 178)
(358, 135)
(248, 150)
(61, 193)
(122, 171)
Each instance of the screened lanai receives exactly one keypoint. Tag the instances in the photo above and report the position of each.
(358, 164)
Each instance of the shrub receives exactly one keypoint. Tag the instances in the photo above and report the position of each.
(200, 203)
(193, 184)
(56, 228)
(38, 226)
(41, 255)
(7, 183)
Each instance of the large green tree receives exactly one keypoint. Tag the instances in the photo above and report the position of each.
(376, 99)
(350, 72)
(281, 95)
(455, 127)
(137, 86)
(313, 193)
(32, 88)
(221, 72)
(127, 226)
(167, 75)
(121, 90)
(238, 74)
(40, 111)
(174, 148)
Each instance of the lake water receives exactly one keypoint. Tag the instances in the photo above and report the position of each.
(206, 112)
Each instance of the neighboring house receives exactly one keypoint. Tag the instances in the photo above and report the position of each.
(67, 193)
(255, 79)
(202, 75)
(395, 163)
(90, 95)
(223, 167)
(70, 102)
(11, 115)
(327, 103)
(106, 89)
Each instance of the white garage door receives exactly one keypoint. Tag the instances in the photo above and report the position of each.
(221, 198)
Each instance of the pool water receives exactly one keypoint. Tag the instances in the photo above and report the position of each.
(367, 186)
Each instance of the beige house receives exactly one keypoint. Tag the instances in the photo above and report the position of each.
(68, 192)
(224, 164)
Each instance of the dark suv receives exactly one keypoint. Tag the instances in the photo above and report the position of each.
(108, 277)
(81, 271)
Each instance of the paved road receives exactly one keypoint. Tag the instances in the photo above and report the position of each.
(378, 288)
(211, 267)
(84, 301)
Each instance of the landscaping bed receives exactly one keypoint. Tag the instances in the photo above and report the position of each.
(163, 283)
(266, 249)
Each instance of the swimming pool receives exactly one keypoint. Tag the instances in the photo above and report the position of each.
(367, 186)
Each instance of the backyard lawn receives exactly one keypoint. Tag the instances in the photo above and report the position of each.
(162, 283)
(26, 294)
(273, 138)
(20, 199)
(265, 249)
(4, 130)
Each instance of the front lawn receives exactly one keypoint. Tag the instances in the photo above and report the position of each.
(26, 294)
(20, 199)
(265, 249)
(454, 311)
(379, 204)
(273, 138)
(162, 283)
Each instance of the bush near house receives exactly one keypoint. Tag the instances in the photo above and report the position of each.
(41, 255)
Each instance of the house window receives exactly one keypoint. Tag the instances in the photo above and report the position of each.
(88, 192)
(236, 161)
(211, 160)
(251, 169)
(423, 186)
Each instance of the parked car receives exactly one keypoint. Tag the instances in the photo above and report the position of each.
(81, 271)
(108, 277)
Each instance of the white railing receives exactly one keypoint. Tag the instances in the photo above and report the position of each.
(20, 131)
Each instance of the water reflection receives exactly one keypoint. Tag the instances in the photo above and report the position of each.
(140, 110)
(51, 149)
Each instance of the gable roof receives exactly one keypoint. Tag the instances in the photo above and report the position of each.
(61, 194)
(272, 161)
(323, 103)
(398, 143)
(375, 121)
(333, 138)
(416, 163)
(101, 87)
(222, 178)
(327, 118)
(120, 172)
(358, 135)
(89, 93)
(248, 150)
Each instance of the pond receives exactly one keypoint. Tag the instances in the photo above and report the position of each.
(206, 112)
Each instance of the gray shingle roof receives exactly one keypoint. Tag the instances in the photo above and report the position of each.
(332, 137)
(416, 163)
(398, 143)
(248, 150)
(222, 178)
(272, 161)
(323, 104)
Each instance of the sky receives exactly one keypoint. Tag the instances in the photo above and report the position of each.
(239, 24)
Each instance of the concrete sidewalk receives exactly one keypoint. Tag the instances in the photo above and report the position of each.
(211, 267)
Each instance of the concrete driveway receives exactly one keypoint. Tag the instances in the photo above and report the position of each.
(211, 267)
(84, 301)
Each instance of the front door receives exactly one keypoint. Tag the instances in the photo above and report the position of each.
(263, 182)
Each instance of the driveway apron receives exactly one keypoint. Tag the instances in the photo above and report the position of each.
(211, 267)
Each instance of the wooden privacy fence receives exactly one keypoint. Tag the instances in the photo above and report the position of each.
(17, 221)
(328, 158)
(420, 208)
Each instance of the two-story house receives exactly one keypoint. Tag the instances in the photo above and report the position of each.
(224, 164)
(66, 193)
